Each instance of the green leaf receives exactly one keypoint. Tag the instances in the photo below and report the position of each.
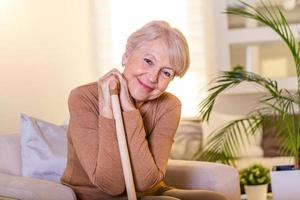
(223, 145)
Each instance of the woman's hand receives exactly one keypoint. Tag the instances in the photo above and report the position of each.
(104, 94)
(105, 109)
(125, 98)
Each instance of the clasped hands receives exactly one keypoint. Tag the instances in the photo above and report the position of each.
(104, 83)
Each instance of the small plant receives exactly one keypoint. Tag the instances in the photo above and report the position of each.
(238, 67)
(256, 174)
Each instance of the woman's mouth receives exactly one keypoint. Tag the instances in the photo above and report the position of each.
(145, 86)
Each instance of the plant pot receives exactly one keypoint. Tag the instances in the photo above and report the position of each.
(256, 192)
(285, 184)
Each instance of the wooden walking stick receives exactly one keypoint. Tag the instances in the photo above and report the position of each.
(125, 159)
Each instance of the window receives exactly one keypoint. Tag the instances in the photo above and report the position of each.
(257, 48)
(115, 20)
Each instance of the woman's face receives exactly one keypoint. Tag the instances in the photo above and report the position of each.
(148, 70)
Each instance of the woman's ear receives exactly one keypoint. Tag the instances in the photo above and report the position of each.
(125, 58)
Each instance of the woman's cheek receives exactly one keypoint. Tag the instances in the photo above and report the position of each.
(162, 87)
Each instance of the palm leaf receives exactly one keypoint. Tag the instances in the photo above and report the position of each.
(224, 143)
(229, 79)
(274, 19)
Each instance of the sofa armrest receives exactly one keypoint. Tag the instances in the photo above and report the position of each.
(26, 188)
(216, 177)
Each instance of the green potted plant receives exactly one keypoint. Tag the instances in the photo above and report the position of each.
(255, 180)
(224, 144)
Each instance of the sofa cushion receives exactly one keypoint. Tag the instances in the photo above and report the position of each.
(10, 154)
(188, 139)
(270, 143)
(26, 188)
(44, 149)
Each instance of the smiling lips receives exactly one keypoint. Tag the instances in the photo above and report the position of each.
(146, 87)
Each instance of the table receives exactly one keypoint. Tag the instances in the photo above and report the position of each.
(269, 196)
(7, 198)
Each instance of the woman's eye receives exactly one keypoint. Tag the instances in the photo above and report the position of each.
(148, 61)
(167, 74)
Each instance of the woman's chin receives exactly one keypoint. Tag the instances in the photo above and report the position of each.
(139, 98)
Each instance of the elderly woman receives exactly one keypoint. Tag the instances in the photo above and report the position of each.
(154, 55)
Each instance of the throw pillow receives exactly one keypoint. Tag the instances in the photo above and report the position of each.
(187, 140)
(43, 149)
(217, 120)
(271, 142)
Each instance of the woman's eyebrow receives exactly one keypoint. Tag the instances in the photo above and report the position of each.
(170, 68)
(155, 60)
(151, 55)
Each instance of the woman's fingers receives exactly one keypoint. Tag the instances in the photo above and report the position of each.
(104, 94)
(125, 99)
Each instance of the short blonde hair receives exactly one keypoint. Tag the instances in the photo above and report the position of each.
(174, 39)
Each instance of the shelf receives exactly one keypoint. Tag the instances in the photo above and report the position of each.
(257, 34)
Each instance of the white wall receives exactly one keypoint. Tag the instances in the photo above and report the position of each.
(192, 17)
(46, 49)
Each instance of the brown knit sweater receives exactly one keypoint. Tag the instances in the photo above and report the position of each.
(94, 168)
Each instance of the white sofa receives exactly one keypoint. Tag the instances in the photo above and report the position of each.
(180, 173)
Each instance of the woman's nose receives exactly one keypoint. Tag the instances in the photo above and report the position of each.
(153, 76)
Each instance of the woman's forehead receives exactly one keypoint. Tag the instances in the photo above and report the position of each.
(156, 49)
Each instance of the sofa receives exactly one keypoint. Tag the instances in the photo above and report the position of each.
(19, 183)
(263, 148)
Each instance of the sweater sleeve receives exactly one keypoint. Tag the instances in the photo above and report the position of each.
(95, 143)
(149, 156)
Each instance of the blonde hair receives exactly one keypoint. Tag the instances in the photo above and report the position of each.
(175, 41)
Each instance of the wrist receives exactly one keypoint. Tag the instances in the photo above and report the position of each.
(128, 108)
